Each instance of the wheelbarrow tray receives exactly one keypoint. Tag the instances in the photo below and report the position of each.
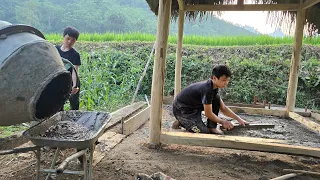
(95, 122)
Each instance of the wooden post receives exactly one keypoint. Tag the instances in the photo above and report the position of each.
(177, 84)
(159, 70)
(295, 61)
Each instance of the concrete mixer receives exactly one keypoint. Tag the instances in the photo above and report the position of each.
(34, 84)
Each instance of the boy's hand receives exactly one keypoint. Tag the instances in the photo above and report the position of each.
(74, 90)
(242, 122)
(227, 125)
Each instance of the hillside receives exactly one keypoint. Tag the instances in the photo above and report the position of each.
(103, 16)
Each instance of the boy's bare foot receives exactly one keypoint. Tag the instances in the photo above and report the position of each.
(176, 125)
(216, 131)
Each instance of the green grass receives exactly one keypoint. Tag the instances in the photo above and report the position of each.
(6, 131)
(189, 39)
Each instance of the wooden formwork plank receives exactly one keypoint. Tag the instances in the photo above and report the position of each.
(310, 124)
(261, 111)
(234, 142)
(105, 143)
(315, 116)
(124, 113)
(132, 124)
(245, 105)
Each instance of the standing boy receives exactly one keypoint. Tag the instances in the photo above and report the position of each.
(70, 36)
(203, 96)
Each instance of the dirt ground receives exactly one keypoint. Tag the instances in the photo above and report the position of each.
(132, 156)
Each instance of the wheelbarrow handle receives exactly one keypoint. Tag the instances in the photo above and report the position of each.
(19, 150)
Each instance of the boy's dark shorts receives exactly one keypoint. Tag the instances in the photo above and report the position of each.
(191, 120)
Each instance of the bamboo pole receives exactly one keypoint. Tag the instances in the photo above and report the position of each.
(295, 61)
(177, 84)
(159, 71)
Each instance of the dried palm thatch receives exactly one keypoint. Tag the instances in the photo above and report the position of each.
(284, 18)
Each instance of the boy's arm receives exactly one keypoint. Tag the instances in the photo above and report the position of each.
(212, 117)
(228, 112)
(77, 68)
(75, 89)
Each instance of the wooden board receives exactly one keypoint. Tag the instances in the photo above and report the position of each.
(304, 114)
(310, 124)
(253, 126)
(261, 111)
(315, 116)
(106, 142)
(245, 105)
(124, 113)
(132, 124)
(234, 142)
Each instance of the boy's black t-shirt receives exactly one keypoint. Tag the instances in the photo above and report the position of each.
(195, 95)
(72, 55)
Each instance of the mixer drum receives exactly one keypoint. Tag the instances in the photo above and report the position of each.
(34, 83)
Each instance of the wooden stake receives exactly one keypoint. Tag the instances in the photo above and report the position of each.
(159, 70)
(255, 100)
(177, 84)
(295, 60)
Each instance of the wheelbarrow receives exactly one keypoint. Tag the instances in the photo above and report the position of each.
(66, 129)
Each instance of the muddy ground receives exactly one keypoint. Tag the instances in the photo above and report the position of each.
(132, 156)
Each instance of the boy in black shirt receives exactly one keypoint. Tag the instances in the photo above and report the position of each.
(70, 36)
(203, 96)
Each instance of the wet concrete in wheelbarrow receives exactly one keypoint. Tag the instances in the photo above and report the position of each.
(289, 130)
(71, 125)
(68, 130)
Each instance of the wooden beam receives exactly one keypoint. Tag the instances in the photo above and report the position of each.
(178, 68)
(295, 61)
(240, 2)
(262, 111)
(136, 121)
(159, 71)
(309, 3)
(246, 7)
(181, 4)
(310, 124)
(235, 142)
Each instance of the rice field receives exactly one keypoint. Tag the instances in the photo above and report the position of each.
(189, 39)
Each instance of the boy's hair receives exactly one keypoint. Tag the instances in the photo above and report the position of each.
(221, 70)
(71, 31)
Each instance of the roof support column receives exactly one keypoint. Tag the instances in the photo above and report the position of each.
(177, 84)
(164, 15)
(295, 61)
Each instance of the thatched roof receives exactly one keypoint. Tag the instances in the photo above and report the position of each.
(275, 18)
